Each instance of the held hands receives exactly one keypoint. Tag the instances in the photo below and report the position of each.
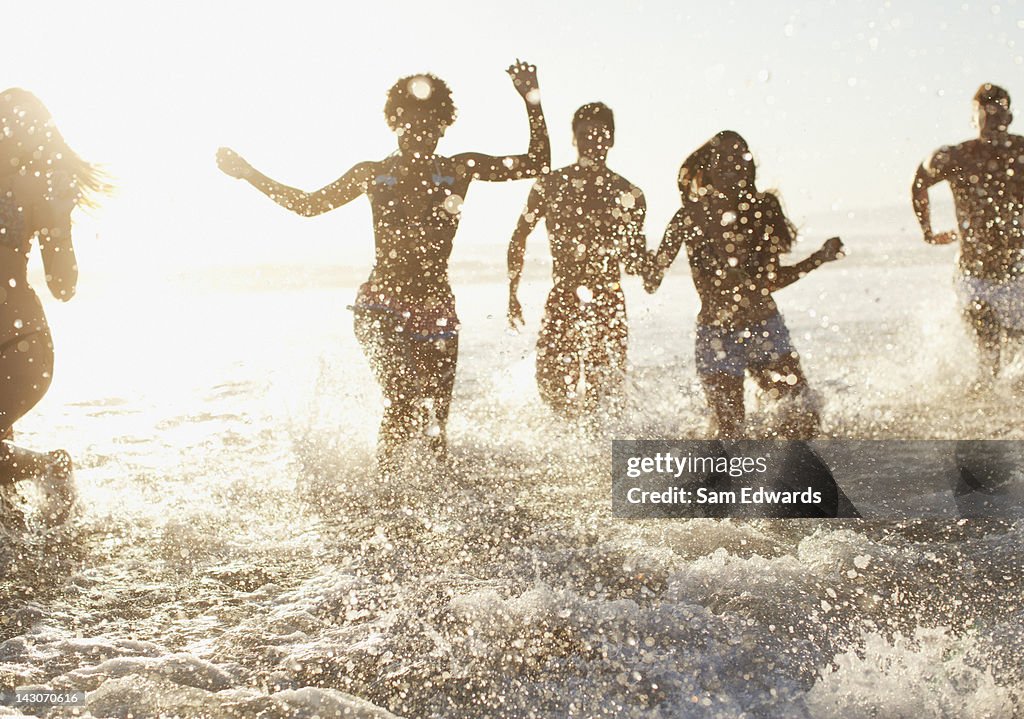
(232, 164)
(652, 279)
(524, 77)
(943, 238)
(515, 312)
(652, 275)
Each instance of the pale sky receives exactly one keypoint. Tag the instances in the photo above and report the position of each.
(839, 101)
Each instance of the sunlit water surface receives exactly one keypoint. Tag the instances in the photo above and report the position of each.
(236, 557)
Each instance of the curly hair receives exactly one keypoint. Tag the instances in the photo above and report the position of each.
(419, 98)
(39, 145)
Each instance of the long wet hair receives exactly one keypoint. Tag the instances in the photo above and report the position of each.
(31, 141)
(701, 171)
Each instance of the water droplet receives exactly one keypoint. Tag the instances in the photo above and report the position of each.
(453, 204)
(420, 88)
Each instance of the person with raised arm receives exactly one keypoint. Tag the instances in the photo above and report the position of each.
(405, 317)
(735, 236)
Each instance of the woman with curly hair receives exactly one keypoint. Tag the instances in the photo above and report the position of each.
(405, 317)
(735, 236)
(41, 182)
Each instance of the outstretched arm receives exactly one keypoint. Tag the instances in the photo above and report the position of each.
(308, 204)
(532, 214)
(928, 174)
(537, 157)
(786, 275)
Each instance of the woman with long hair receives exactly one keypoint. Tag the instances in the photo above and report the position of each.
(405, 317)
(735, 236)
(41, 181)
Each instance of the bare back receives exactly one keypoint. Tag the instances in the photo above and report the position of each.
(734, 255)
(595, 222)
(986, 177)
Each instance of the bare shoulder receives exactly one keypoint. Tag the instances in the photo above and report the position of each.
(950, 156)
(1017, 145)
(559, 176)
(363, 173)
(629, 194)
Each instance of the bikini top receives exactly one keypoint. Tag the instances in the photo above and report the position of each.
(439, 178)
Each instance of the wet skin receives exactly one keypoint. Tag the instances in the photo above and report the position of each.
(416, 197)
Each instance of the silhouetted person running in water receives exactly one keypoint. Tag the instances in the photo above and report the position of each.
(41, 182)
(735, 236)
(405, 313)
(594, 219)
(986, 176)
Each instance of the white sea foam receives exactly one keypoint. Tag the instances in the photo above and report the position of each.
(237, 554)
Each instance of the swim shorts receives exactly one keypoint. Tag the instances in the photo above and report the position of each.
(1005, 298)
(734, 350)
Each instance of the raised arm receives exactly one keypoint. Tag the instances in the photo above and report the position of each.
(532, 214)
(308, 204)
(928, 174)
(537, 157)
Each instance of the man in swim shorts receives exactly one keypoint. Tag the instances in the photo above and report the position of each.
(986, 176)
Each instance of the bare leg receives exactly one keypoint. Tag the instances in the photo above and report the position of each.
(558, 359)
(376, 332)
(784, 380)
(988, 338)
(435, 364)
(17, 463)
(604, 362)
(416, 377)
(724, 394)
(26, 366)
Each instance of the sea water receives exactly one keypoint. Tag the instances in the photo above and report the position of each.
(235, 554)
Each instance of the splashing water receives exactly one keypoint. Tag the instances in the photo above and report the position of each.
(237, 557)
